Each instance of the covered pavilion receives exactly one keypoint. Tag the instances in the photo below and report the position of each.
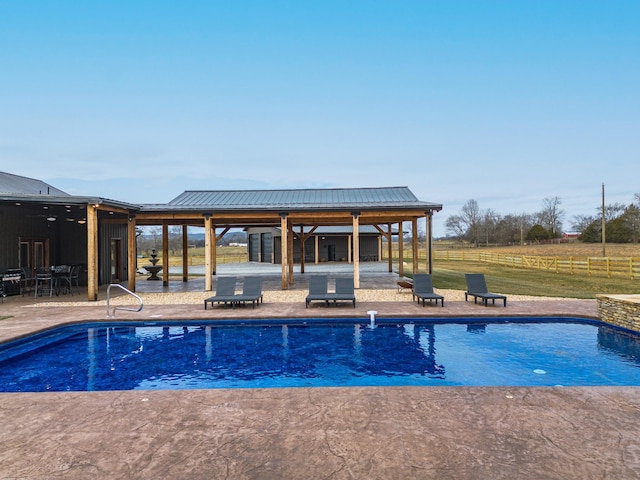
(297, 212)
(43, 226)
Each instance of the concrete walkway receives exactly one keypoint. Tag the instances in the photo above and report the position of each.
(337, 433)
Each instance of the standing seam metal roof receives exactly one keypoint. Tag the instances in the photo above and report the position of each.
(10, 183)
(298, 198)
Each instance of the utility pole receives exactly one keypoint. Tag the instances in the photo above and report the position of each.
(604, 248)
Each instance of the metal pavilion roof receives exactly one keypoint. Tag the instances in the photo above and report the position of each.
(297, 199)
(10, 183)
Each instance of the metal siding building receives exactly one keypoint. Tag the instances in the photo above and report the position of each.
(99, 232)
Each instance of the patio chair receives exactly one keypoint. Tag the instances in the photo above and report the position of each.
(344, 291)
(225, 292)
(63, 279)
(74, 278)
(423, 289)
(27, 282)
(318, 289)
(251, 291)
(44, 282)
(477, 288)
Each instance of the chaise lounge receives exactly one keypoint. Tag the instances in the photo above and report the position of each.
(251, 292)
(344, 291)
(318, 285)
(477, 288)
(423, 289)
(225, 292)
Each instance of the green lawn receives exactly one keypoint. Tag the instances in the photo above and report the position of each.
(450, 274)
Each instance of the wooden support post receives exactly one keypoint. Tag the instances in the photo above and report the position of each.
(185, 254)
(356, 251)
(290, 252)
(92, 253)
(390, 246)
(302, 239)
(400, 250)
(165, 254)
(208, 238)
(284, 243)
(429, 241)
(349, 248)
(414, 244)
(214, 249)
(132, 257)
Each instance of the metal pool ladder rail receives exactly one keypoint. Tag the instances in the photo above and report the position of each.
(119, 307)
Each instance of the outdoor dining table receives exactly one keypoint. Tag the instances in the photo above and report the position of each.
(54, 278)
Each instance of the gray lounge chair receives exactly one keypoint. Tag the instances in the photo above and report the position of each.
(251, 291)
(225, 292)
(318, 289)
(344, 291)
(477, 288)
(423, 289)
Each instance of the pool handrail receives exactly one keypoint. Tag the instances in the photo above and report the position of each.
(120, 307)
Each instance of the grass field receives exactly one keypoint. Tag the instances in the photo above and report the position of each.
(517, 281)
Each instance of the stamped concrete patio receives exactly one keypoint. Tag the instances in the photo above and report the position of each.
(408, 432)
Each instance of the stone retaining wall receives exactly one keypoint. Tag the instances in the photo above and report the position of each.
(620, 310)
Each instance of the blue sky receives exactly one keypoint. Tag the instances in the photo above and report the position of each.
(503, 102)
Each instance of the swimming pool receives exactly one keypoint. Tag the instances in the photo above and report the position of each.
(315, 353)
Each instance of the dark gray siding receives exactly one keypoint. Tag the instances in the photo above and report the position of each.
(266, 245)
(21, 222)
(331, 248)
(106, 233)
(254, 247)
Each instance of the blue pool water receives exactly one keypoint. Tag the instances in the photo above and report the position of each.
(189, 355)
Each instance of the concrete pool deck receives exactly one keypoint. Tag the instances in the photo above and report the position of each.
(408, 432)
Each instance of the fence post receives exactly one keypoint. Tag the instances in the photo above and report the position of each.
(571, 265)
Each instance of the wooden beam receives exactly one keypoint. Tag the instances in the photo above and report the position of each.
(132, 258)
(224, 232)
(92, 253)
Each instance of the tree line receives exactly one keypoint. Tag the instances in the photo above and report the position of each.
(484, 227)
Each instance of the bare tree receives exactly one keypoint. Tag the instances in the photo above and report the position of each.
(455, 226)
(472, 217)
(612, 211)
(551, 216)
(581, 222)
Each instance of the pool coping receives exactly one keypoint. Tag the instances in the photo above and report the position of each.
(372, 432)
